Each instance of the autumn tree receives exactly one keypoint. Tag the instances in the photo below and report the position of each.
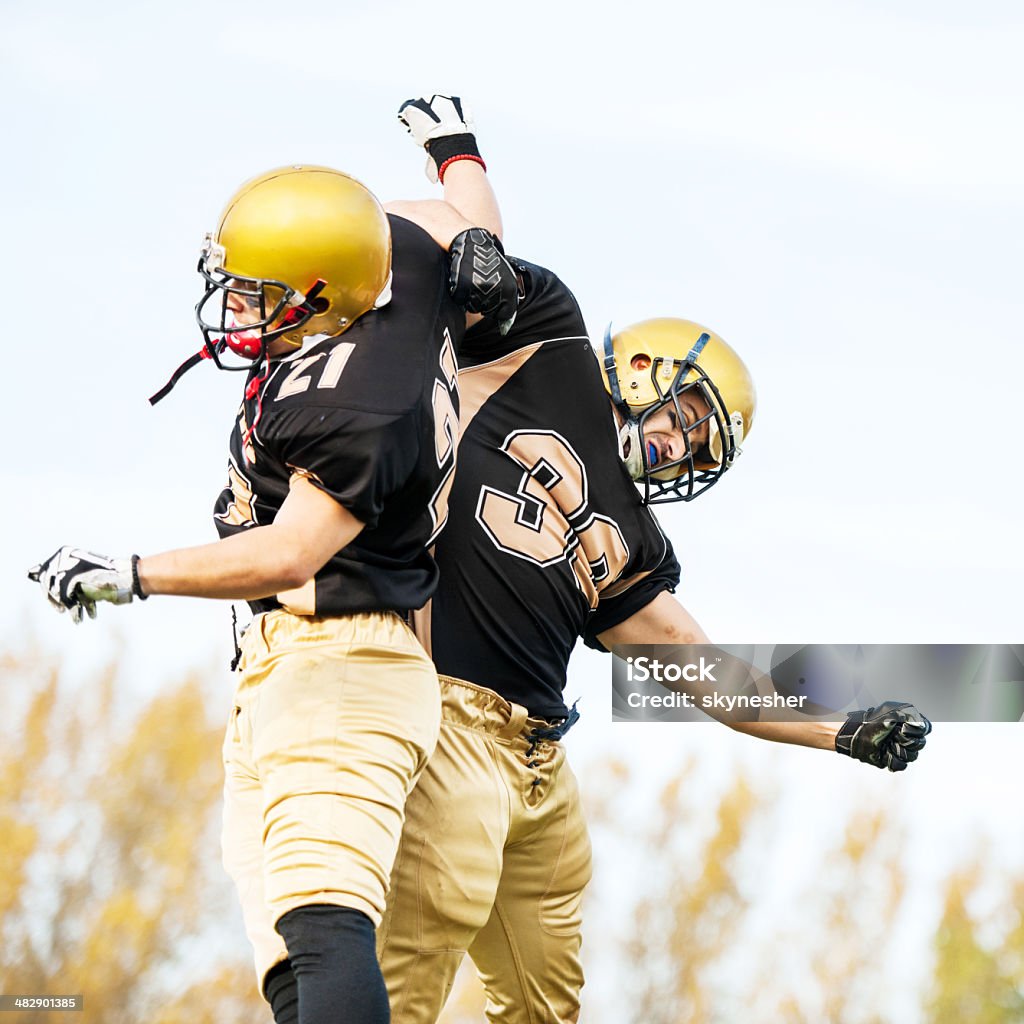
(977, 979)
(110, 876)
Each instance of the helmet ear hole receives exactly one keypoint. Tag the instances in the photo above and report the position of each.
(320, 305)
(640, 361)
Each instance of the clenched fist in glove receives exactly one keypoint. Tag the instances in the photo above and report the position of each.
(74, 580)
(889, 736)
(444, 129)
(480, 279)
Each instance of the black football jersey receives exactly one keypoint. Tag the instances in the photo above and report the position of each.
(371, 418)
(547, 538)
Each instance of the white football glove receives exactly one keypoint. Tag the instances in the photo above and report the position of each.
(434, 118)
(439, 117)
(74, 580)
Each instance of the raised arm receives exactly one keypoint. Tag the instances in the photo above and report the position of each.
(444, 128)
(468, 221)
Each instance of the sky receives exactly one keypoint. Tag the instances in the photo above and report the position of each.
(834, 187)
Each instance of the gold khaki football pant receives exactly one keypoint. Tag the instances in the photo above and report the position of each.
(493, 861)
(333, 721)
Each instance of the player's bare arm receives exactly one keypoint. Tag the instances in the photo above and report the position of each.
(264, 560)
(468, 188)
(662, 621)
(889, 736)
(438, 218)
(445, 219)
(665, 621)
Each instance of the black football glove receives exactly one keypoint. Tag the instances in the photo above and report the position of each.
(481, 279)
(889, 736)
(444, 128)
(74, 580)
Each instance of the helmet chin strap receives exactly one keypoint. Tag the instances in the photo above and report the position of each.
(630, 450)
(629, 433)
(610, 371)
(238, 343)
(192, 360)
(630, 442)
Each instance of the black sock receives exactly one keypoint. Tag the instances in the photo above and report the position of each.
(282, 992)
(334, 958)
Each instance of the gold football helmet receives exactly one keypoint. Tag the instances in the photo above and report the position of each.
(646, 368)
(306, 249)
(299, 251)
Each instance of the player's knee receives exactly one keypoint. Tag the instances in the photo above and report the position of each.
(332, 952)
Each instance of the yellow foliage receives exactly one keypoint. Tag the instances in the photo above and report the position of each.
(837, 954)
(682, 928)
(111, 886)
(225, 997)
(973, 981)
(19, 840)
(110, 866)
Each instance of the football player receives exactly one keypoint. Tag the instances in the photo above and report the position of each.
(548, 540)
(338, 473)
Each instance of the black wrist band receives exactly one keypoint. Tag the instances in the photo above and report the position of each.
(136, 585)
(448, 146)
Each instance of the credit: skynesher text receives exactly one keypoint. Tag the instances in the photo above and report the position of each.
(716, 700)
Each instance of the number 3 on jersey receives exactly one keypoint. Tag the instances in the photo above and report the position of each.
(446, 434)
(548, 519)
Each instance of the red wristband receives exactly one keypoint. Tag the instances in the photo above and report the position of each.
(452, 159)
